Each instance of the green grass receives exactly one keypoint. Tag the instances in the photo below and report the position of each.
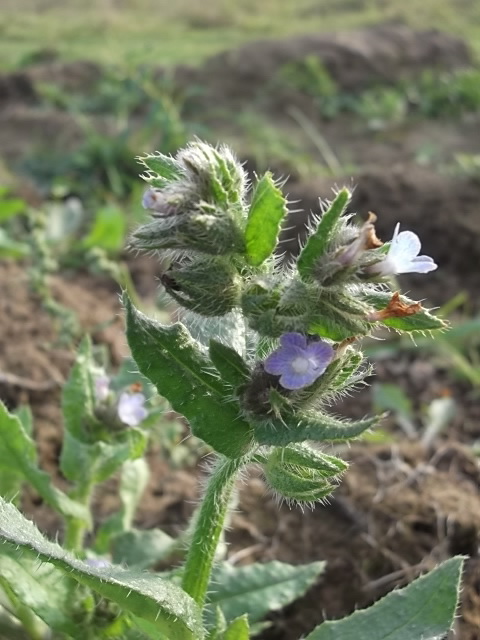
(165, 32)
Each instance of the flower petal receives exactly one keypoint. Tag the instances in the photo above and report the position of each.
(405, 246)
(423, 264)
(293, 340)
(280, 361)
(293, 381)
(131, 408)
(322, 354)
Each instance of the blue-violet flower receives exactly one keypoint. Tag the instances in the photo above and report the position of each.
(131, 408)
(402, 256)
(298, 362)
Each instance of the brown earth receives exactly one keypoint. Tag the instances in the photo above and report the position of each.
(355, 60)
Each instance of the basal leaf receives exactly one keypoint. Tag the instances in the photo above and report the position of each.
(422, 611)
(265, 217)
(319, 427)
(18, 456)
(177, 366)
(257, 589)
(318, 242)
(230, 365)
(108, 230)
(146, 595)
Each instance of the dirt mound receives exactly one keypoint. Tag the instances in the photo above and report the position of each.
(444, 212)
(16, 88)
(398, 512)
(79, 76)
(354, 59)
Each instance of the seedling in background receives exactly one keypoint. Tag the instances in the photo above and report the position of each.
(268, 348)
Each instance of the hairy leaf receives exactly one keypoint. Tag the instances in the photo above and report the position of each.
(176, 365)
(265, 217)
(319, 427)
(421, 321)
(228, 363)
(161, 169)
(47, 591)
(144, 594)
(238, 629)
(257, 589)
(318, 242)
(18, 456)
(422, 611)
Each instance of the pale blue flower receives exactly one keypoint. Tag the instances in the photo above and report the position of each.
(402, 256)
(153, 199)
(98, 563)
(131, 408)
(298, 362)
(102, 388)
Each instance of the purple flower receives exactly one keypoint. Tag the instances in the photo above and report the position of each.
(131, 409)
(102, 388)
(97, 563)
(153, 199)
(297, 362)
(402, 256)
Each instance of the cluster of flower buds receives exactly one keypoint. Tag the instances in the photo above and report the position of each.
(305, 317)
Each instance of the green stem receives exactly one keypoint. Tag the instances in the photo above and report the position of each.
(75, 529)
(208, 528)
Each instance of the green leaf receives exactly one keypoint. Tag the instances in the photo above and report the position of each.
(421, 321)
(230, 364)
(108, 230)
(78, 396)
(176, 365)
(161, 169)
(238, 629)
(390, 397)
(144, 594)
(18, 456)
(10, 208)
(265, 217)
(424, 610)
(9, 248)
(258, 589)
(141, 549)
(46, 590)
(319, 427)
(99, 460)
(318, 242)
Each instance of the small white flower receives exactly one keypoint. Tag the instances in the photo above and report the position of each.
(402, 256)
(131, 409)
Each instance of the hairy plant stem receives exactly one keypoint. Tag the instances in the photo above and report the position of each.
(29, 621)
(208, 527)
(75, 528)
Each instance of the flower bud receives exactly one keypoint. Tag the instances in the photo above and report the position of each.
(210, 287)
(219, 177)
(301, 474)
(205, 230)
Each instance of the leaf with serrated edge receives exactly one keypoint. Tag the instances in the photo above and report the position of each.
(317, 243)
(421, 321)
(175, 364)
(320, 428)
(422, 611)
(18, 455)
(146, 595)
(265, 217)
(257, 589)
